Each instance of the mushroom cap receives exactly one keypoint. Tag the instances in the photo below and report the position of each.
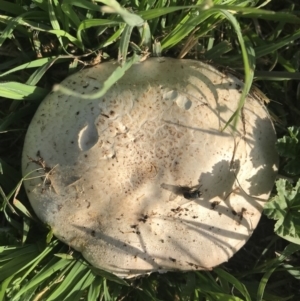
(145, 178)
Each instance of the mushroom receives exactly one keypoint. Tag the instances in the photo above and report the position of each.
(146, 178)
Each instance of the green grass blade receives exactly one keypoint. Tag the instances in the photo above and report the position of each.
(5, 202)
(49, 248)
(15, 224)
(95, 288)
(270, 48)
(33, 64)
(26, 227)
(158, 12)
(186, 25)
(146, 36)
(109, 276)
(13, 194)
(61, 33)
(124, 43)
(282, 42)
(248, 12)
(33, 25)
(49, 269)
(263, 283)
(249, 66)
(218, 50)
(11, 8)
(24, 19)
(47, 287)
(82, 4)
(6, 251)
(113, 38)
(292, 270)
(53, 20)
(3, 287)
(288, 251)
(69, 12)
(112, 79)
(7, 32)
(52, 16)
(40, 72)
(234, 281)
(106, 294)
(15, 90)
(70, 280)
(85, 24)
(19, 262)
(79, 288)
(112, 6)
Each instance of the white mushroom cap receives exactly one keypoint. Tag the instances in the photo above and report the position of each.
(143, 179)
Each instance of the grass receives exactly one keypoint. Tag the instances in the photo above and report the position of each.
(42, 42)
